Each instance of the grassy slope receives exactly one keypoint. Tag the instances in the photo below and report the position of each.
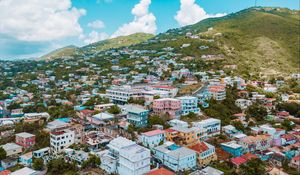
(119, 42)
(260, 41)
(101, 45)
(65, 51)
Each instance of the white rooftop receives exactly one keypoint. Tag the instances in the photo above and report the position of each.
(24, 171)
(25, 135)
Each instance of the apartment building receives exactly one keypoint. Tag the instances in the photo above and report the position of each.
(137, 116)
(121, 94)
(189, 104)
(209, 128)
(217, 92)
(61, 140)
(126, 157)
(169, 106)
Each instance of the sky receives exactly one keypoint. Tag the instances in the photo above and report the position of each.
(31, 28)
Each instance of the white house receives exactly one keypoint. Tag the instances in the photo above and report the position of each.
(153, 138)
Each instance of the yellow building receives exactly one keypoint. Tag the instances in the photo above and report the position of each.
(206, 153)
(182, 136)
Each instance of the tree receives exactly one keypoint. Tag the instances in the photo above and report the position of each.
(292, 108)
(239, 126)
(114, 110)
(59, 166)
(93, 161)
(2, 153)
(287, 124)
(253, 167)
(38, 164)
(256, 111)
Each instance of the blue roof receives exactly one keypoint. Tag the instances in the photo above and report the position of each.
(2, 169)
(173, 147)
(66, 120)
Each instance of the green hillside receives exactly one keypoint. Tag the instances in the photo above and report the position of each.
(118, 42)
(60, 53)
(263, 41)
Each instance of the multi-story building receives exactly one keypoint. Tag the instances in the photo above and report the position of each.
(217, 92)
(26, 140)
(168, 106)
(137, 116)
(175, 157)
(295, 162)
(120, 95)
(189, 104)
(206, 153)
(61, 140)
(127, 157)
(256, 143)
(182, 136)
(172, 91)
(153, 138)
(209, 128)
(180, 123)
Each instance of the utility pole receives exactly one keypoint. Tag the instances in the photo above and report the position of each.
(255, 3)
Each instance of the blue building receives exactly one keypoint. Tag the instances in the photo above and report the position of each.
(137, 116)
(189, 104)
(231, 147)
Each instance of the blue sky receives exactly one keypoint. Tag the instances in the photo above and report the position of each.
(31, 28)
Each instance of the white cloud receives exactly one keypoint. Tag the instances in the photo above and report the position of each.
(98, 24)
(143, 21)
(39, 20)
(94, 36)
(191, 13)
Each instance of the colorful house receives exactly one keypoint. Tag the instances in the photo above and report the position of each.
(26, 140)
(182, 136)
(137, 116)
(256, 143)
(233, 148)
(206, 153)
(26, 159)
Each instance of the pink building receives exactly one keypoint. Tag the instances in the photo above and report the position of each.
(26, 140)
(169, 106)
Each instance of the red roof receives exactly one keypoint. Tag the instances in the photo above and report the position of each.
(154, 132)
(5, 172)
(249, 156)
(160, 171)
(297, 158)
(238, 160)
(163, 87)
(283, 113)
(288, 136)
(170, 130)
(199, 147)
(86, 111)
(239, 115)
